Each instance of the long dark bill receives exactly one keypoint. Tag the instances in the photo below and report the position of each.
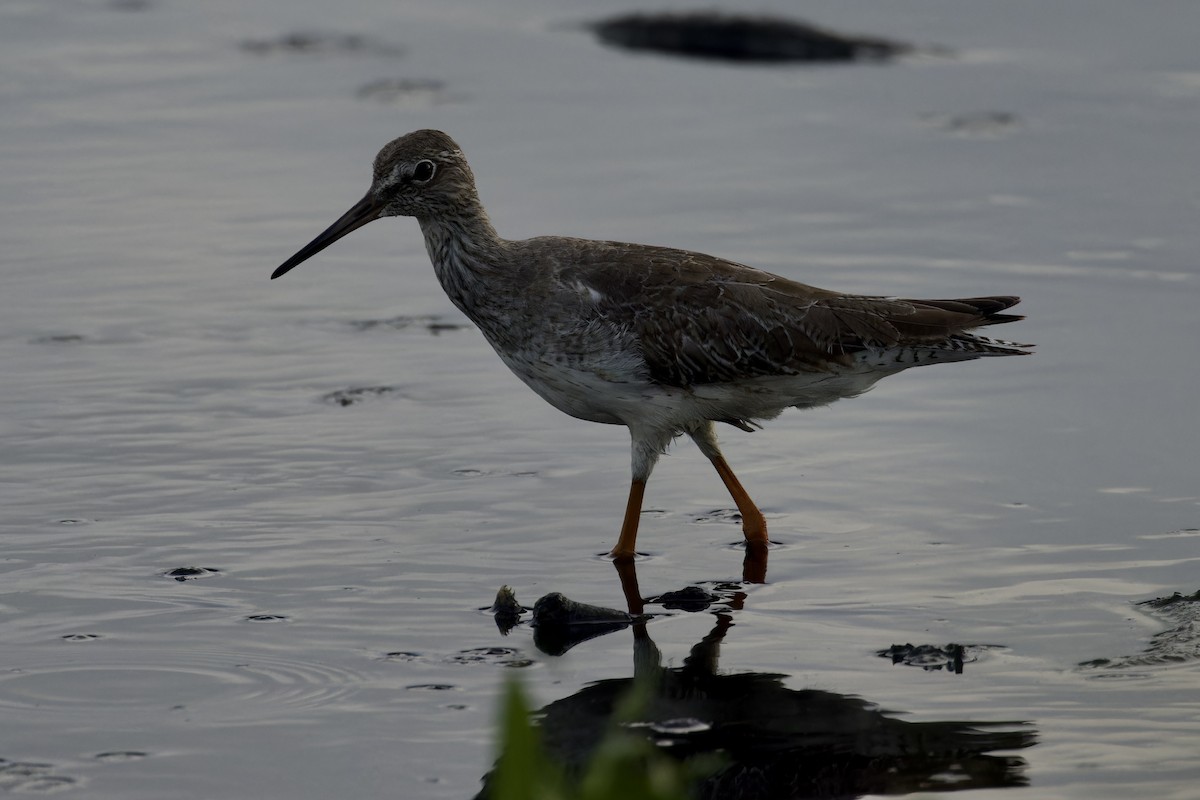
(363, 212)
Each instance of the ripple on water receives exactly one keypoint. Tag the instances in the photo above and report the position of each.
(506, 656)
(118, 756)
(431, 323)
(227, 685)
(33, 777)
(322, 43)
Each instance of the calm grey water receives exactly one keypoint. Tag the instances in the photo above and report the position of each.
(166, 406)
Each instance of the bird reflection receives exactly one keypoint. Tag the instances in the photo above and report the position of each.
(776, 742)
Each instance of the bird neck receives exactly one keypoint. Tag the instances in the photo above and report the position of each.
(466, 252)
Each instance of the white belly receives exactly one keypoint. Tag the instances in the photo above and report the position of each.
(616, 390)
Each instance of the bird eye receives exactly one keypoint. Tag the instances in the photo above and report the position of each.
(423, 171)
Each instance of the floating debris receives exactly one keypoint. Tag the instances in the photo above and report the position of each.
(506, 610)
(932, 658)
(692, 598)
(731, 37)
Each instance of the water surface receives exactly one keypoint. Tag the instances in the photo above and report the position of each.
(345, 473)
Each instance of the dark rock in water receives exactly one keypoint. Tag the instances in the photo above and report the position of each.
(741, 38)
(1165, 602)
(558, 610)
(560, 623)
(1178, 644)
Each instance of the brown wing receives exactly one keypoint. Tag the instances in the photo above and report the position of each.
(701, 319)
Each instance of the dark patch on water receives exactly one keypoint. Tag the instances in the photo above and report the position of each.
(406, 656)
(357, 394)
(191, 573)
(82, 637)
(59, 338)
(432, 687)
(433, 324)
(719, 515)
(318, 43)
(398, 323)
(266, 618)
(118, 756)
(729, 37)
(131, 5)
(982, 124)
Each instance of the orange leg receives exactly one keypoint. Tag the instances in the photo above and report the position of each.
(754, 524)
(625, 549)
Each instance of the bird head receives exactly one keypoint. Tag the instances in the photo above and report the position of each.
(421, 174)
